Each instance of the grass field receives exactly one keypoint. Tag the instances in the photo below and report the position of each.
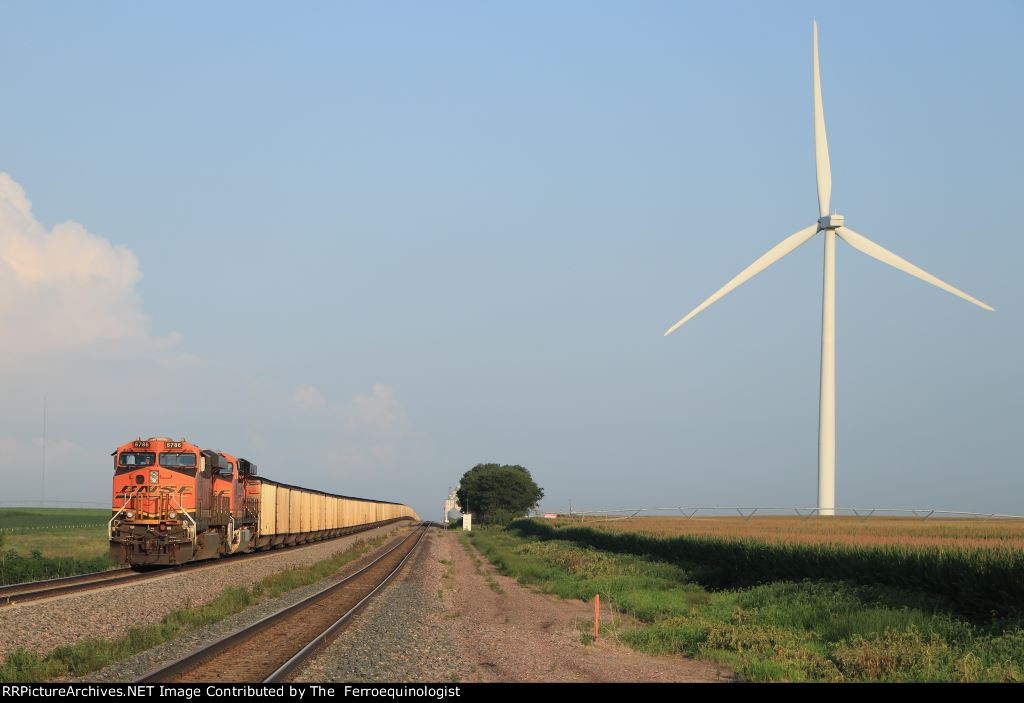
(976, 582)
(27, 518)
(40, 543)
(906, 531)
(78, 543)
(76, 533)
(822, 629)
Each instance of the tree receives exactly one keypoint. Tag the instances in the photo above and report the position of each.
(497, 492)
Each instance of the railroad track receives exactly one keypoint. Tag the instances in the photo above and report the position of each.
(34, 590)
(39, 590)
(271, 649)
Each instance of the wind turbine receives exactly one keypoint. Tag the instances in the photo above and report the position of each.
(831, 225)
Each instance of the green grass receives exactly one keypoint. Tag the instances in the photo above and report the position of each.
(29, 518)
(776, 631)
(19, 568)
(477, 565)
(92, 654)
(44, 543)
(978, 583)
(76, 543)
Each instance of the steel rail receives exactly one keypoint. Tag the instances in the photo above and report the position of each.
(58, 584)
(299, 658)
(39, 590)
(200, 656)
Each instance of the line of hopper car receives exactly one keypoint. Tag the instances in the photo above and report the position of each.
(175, 502)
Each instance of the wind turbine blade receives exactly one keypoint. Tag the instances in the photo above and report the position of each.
(863, 244)
(770, 257)
(824, 169)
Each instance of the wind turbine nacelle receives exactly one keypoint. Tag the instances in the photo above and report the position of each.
(831, 221)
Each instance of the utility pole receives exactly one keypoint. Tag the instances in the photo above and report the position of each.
(42, 501)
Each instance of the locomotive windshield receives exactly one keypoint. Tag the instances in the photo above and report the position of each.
(136, 458)
(173, 459)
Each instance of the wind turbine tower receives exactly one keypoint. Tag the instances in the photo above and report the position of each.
(831, 226)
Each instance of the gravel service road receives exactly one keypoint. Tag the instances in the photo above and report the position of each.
(441, 622)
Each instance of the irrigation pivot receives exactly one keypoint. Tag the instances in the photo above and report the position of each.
(831, 225)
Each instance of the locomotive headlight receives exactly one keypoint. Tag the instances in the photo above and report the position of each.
(129, 514)
(154, 476)
(172, 515)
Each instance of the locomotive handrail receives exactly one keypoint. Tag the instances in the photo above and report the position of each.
(110, 523)
(195, 527)
(127, 500)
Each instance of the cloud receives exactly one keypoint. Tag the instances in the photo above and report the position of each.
(379, 411)
(307, 397)
(367, 435)
(64, 289)
(364, 443)
(75, 331)
(377, 438)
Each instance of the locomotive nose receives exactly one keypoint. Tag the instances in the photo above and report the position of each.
(153, 503)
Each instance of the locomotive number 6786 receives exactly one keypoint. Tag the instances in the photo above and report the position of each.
(175, 502)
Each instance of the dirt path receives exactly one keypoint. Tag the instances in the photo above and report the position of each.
(519, 635)
(442, 621)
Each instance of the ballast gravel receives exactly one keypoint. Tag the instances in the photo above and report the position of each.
(108, 613)
(448, 620)
(399, 635)
(144, 662)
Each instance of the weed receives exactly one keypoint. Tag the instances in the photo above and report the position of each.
(974, 582)
(775, 630)
(92, 654)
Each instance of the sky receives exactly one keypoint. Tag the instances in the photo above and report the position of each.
(369, 245)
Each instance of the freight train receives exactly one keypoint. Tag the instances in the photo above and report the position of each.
(175, 502)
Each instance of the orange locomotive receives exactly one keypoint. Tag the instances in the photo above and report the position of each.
(174, 502)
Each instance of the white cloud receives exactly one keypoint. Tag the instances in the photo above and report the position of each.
(65, 288)
(307, 397)
(368, 436)
(377, 438)
(378, 411)
(73, 330)
(68, 308)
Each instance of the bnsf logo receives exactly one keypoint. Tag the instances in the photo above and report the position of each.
(180, 490)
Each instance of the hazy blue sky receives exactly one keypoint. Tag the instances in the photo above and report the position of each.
(368, 245)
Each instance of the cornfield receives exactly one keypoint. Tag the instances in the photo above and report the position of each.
(906, 531)
(980, 582)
